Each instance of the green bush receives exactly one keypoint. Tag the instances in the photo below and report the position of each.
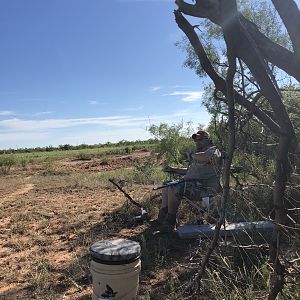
(128, 150)
(147, 172)
(84, 156)
(174, 141)
(252, 203)
(23, 163)
(254, 167)
(6, 162)
(105, 161)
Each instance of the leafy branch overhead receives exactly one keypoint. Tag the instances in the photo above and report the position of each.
(256, 61)
(244, 38)
(273, 52)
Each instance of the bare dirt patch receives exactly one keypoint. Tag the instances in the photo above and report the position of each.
(22, 190)
(48, 222)
(104, 163)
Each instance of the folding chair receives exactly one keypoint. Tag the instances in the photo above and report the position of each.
(206, 204)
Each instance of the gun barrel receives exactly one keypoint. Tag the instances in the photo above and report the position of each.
(159, 187)
(168, 184)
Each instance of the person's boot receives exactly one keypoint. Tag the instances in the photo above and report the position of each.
(169, 224)
(162, 214)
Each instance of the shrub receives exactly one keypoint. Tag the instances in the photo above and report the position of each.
(65, 147)
(128, 150)
(23, 162)
(6, 162)
(147, 172)
(84, 156)
(257, 168)
(105, 161)
(174, 141)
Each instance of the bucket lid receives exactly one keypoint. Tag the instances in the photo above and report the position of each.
(115, 251)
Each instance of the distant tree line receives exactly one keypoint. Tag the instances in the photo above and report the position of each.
(65, 147)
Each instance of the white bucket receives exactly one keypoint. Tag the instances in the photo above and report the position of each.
(115, 268)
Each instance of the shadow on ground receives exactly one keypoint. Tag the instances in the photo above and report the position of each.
(161, 254)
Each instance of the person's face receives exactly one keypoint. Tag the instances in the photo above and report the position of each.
(201, 143)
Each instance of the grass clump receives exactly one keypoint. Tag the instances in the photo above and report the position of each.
(6, 162)
(41, 275)
(23, 163)
(148, 172)
(84, 156)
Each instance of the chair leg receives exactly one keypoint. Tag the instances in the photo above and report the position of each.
(162, 214)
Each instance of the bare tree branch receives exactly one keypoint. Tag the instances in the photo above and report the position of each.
(201, 9)
(246, 42)
(230, 95)
(272, 52)
(290, 15)
(219, 82)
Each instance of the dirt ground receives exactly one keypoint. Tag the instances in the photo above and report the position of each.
(50, 217)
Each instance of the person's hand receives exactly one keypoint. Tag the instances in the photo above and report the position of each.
(168, 169)
(188, 156)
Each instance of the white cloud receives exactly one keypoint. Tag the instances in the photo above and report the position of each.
(178, 86)
(93, 102)
(16, 124)
(42, 113)
(7, 113)
(137, 108)
(20, 124)
(188, 96)
(155, 88)
(22, 133)
(16, 140)
(102, 136)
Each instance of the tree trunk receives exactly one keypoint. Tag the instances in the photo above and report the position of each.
(282, 175)
(290, 15)
(254, 49)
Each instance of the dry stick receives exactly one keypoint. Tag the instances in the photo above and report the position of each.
(126, 195)
(243, 92)
(287, 135)
(291, 264)
(290, 17)
(231, 145)
(283, 227)
(278, 275)
(219, 82)
(221, 85)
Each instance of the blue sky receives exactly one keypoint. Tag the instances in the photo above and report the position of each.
(91, 71)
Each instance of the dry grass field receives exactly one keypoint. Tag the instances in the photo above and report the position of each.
(52, 212)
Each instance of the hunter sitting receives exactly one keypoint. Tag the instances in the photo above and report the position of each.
(203, 170)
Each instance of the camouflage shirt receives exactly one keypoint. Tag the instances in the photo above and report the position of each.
(200, 170)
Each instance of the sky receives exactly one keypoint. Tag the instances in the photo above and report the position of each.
(91, 71)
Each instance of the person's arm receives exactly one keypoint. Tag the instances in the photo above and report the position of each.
(201, 156)
(179, 171)
(207, 156)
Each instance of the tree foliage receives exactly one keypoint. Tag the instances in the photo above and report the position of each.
(174, 139)
(250, 57)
